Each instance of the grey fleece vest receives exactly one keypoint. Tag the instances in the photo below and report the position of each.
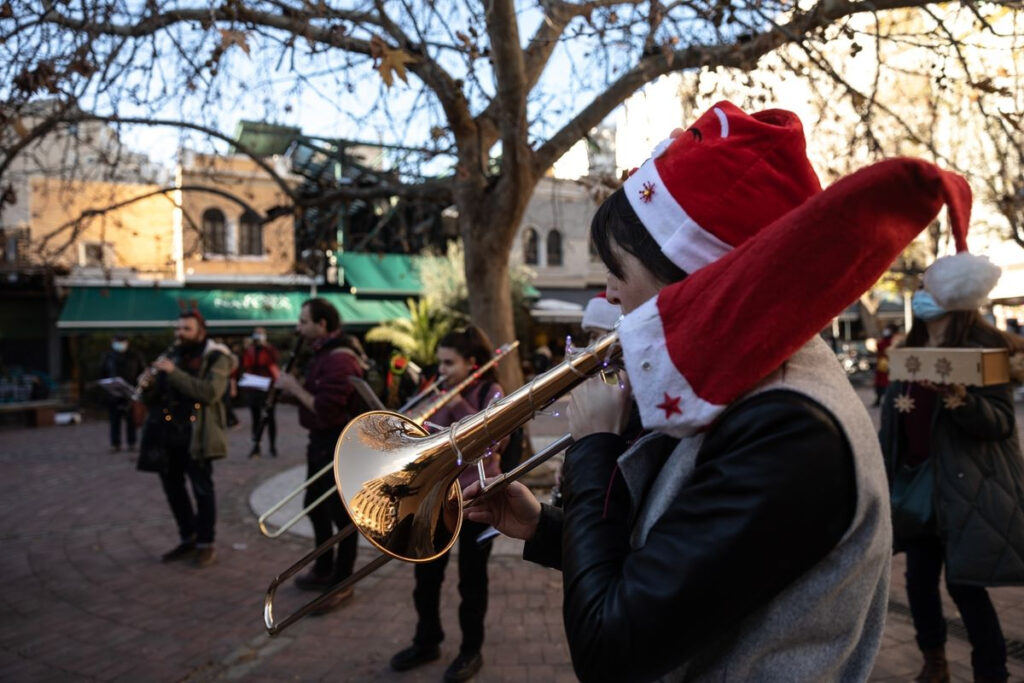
(826, 626)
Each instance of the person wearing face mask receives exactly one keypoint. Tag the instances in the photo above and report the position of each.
(187, 419)
(962, 447)
(121, 361)
(746, 537)
(261, 359)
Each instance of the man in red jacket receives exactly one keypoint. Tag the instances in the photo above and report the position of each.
(327, 401)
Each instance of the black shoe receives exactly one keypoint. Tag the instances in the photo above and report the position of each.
(315, 580)
(273, 452)
(184, 551)
(204, 557)
(414, 656)
(335, 601)
(464, 667)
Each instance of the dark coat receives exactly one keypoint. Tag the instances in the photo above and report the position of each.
(772, 493)
(979, 483)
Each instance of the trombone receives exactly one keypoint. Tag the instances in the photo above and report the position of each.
(400, 485)
(446, 397)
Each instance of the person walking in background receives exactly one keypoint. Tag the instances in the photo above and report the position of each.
(956, 475)
(882, 362)
(459, 354)
(187, 420)
(261, 359)
(126, 363)
(327, 401)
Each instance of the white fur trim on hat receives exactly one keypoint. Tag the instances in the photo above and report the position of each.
(961, 282)
(601, 315)
(667, 401)
(681, 238)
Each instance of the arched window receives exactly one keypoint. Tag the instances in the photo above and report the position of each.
(250, 235)
(530, 247)
(554, 248)
(215, 232)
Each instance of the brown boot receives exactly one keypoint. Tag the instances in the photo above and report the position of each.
(935, 669)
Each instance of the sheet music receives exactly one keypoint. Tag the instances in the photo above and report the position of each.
(117, 387)
(257, 382)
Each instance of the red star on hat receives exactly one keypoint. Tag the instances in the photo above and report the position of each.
(670, 405)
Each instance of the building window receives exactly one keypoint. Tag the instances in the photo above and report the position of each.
(95, 255)
(554, 248)
(215, 232)
(13, 245)
(250, 235)
(530, 247)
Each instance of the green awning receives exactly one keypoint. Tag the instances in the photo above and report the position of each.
(114, 308)
(390, 275)
(393, 275)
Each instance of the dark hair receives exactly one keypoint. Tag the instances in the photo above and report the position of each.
(195, 315)
(322, 309)
(616, 221)
(471, 342)
(965, 329)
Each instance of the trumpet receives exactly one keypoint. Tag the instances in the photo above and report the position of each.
(400, 485)
(445, 398)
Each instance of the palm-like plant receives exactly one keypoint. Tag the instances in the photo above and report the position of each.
(416, 336)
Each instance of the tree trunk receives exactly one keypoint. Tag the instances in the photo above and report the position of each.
(490, 294)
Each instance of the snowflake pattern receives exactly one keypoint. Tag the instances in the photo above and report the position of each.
(913, 365)
(952, 401)
(904, 403)
(943, 367)
(647, 192)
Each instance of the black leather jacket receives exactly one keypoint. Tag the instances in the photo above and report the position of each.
(771, 494)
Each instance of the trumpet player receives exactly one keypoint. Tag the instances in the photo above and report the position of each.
(459, 354)
(746, 537)
(185, 391)
(327, 401)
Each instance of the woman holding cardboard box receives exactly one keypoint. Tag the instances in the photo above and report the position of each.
(955, 471)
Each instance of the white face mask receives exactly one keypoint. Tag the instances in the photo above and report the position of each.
(259, 338)
(120, 346)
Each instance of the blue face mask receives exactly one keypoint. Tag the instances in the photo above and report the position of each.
(924, 306)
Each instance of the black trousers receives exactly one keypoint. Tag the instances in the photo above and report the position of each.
(988, 648)
(330, 516)
(118, 414)
(255, 401)
(472, 588)
(198, 521)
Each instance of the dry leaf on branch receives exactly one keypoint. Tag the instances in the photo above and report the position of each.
(392, 60)
(229, 37)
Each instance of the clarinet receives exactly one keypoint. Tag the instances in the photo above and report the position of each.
(150, 372)
(268, 404)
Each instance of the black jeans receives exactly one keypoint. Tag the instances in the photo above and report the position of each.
(197, 522)
(330, 516)
(472, 588)
(256, 400)
(988, 648)
(119, 414)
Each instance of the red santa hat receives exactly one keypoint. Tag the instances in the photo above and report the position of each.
(775, 280)
(711, 188)
(600, 314)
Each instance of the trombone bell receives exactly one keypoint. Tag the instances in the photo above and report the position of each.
(399, 485)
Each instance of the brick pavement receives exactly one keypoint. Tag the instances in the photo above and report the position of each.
(84, 596)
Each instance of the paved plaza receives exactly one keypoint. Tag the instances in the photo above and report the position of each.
(84, 596)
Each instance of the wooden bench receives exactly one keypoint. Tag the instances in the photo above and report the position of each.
(36, 413)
